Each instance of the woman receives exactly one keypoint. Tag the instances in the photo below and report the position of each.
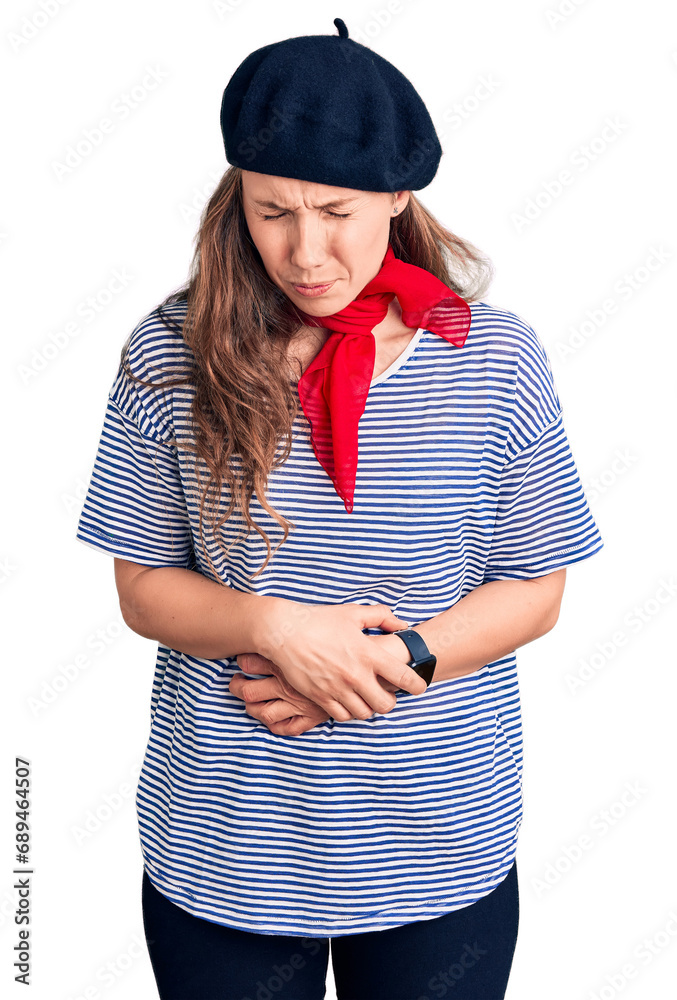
(335, 749)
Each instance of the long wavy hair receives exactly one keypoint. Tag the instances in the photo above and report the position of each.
(238, 326)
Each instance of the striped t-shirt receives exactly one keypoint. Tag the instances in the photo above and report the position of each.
(465, 475)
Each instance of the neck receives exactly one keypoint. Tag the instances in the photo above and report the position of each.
(391, 328)
(390, 335)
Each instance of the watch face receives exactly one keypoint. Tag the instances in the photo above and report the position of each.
(426, 668)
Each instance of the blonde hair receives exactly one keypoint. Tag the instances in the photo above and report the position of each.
(239, 324)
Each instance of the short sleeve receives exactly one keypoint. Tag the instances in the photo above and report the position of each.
(135, 507)
(543, 521)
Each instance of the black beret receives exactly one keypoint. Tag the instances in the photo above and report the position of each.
(324, 108)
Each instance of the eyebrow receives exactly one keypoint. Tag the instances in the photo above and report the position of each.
(336, 203)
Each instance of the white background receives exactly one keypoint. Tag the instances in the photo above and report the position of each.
(597, 923)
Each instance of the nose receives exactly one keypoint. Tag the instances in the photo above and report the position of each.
(306, 244)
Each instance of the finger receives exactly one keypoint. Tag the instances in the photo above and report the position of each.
(379, 616)
(384, 702)
(235, 685)
(387, 684)
(394, 623)
(254, 663)
(253, 690)
(294, 727)
(259, 689)
(270, 712)
(371, 698)
(361, 709)
(264, 690)
(289, 727)
(300, 723)
(286, 690)
(398, 673)
(354, 707)
(408, 680)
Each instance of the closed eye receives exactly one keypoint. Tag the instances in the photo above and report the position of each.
(336, 215)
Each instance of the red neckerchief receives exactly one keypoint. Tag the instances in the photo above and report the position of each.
(334, 387)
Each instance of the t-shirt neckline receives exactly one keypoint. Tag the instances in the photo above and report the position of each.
(401, 359)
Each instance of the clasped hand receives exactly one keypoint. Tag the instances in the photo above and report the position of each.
(336, 682)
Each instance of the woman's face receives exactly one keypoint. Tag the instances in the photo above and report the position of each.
(310, 234)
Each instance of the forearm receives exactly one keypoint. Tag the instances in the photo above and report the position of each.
(490, 622)
(185, 610)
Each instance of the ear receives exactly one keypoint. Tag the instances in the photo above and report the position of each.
(401, 200)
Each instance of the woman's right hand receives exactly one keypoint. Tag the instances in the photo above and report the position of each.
(324, 654)
(273, 701)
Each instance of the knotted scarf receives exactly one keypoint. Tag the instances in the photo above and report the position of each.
(334, 387)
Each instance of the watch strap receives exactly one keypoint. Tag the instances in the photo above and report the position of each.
(422, 660)
(414, 643)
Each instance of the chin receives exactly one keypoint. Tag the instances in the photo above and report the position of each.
(323, 305)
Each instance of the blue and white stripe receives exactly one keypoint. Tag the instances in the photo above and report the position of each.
(465, 475)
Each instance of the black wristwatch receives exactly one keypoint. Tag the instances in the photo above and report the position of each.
(422, 660)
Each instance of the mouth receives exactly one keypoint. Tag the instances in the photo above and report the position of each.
(316, 289)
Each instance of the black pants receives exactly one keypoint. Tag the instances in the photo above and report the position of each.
(463, 955)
